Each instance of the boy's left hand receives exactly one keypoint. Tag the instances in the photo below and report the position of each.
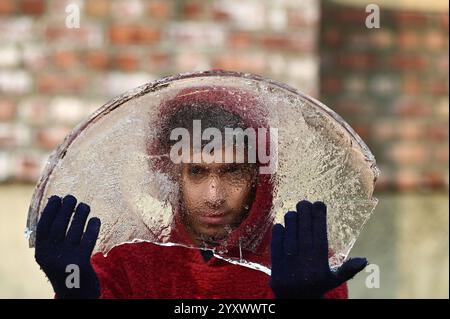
(299, 253)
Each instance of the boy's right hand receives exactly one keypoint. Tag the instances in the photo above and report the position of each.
(56, 250)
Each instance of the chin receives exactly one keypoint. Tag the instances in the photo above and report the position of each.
(213, 237)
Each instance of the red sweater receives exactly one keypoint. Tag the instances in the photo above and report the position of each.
(146, 270)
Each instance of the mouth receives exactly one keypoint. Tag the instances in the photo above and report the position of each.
(214, 218)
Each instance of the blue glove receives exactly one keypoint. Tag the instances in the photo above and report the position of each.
(299, 253)
(55, 249)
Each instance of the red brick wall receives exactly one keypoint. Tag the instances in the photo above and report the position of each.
(51, 77)
(391, 85)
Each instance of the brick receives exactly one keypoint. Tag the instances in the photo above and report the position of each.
(357, 61)
(32, 7)
(356, 84)
(66, 59)
(89, 35)
(239, 39)
(433, 179)
(7, 136)
(407, 179)
(11, 27)
(305, 68)
(62, 83)
(149, 34)
(304, 42)
(159, 60)
(412, 19)
(15, 81)
(186, 61)
(410, 107)
(50, 138)
(278, 41)
(435, 40)
(220, 15)
(98, 60)
(301, 42)
(442, 62)
(133, 34)
(197, 34)
(438, 87)
(443, 19)
(410, 130)
(408, 62)
(7, 7)
(14, 135)
(7, 110)
(385, 130)
(35, 57)
(301, 18)
(353, 106)
(277, 18)
(438, 132)
(331, 84)
(441, 154)
(381, 39)
(411, 84)
(61, 5)
(9, 56)
(384, 84)
(408, 40)
(333, 38)
(159, 9)
(126, 61)
(192, 10)
(33, 110)
(97, 8)
(124, 34)
(408, 153)
(28, 167)
(349, 16)
(358, 41)
(245, 15)
(66, 110)
(126, 9)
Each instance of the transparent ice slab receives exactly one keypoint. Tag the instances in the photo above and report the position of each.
(105, 163)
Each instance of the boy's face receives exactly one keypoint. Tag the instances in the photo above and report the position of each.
(216, 198)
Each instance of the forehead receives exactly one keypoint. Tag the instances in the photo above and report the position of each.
(220, 155)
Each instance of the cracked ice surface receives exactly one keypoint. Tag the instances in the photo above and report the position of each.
(105, 163)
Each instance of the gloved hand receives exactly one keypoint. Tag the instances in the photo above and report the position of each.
(299, 253)
(55, 249)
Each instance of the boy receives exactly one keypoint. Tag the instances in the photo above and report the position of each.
(223, 206)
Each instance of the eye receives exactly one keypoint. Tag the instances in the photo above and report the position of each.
(196, 170)
(233, 169)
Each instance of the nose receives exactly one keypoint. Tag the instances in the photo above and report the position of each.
(215, 195)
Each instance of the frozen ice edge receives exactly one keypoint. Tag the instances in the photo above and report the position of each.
(251, 265)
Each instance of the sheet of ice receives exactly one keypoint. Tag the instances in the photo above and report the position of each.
(105, 163)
